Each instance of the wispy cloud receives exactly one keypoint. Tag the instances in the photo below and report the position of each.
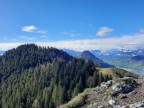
(42, 31)
(103, 31)
(33, 29)
(70, 33)
(27, 37)
(14, 40)
(124, 42)
(7, 46)
(43, 36)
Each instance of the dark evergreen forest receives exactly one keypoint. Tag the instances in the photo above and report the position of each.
(39, 77)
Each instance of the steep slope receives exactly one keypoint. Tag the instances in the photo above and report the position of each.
(36, 77)
(87, 55)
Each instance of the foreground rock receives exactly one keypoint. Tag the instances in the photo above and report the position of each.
(126, 92)
(126, 85)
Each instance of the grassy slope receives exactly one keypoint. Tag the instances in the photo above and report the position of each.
(116, 72)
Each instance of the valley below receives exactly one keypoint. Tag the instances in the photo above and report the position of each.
(126, 62)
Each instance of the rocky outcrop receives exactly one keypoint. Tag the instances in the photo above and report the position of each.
(117, 88)
(126, 85)
(125, 92)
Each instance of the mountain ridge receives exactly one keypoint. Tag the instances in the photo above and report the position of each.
(87, 55)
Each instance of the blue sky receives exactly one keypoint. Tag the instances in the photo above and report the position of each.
(73, 24)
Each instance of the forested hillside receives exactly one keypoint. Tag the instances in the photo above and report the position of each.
(37, 77)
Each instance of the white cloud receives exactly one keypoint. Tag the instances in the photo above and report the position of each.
(123, 42)
(104, 31)
(7, 46)
(33, 29)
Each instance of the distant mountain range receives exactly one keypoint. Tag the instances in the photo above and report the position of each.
(119, 52)
(131, 60)
(87, 55)
(109, 52)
